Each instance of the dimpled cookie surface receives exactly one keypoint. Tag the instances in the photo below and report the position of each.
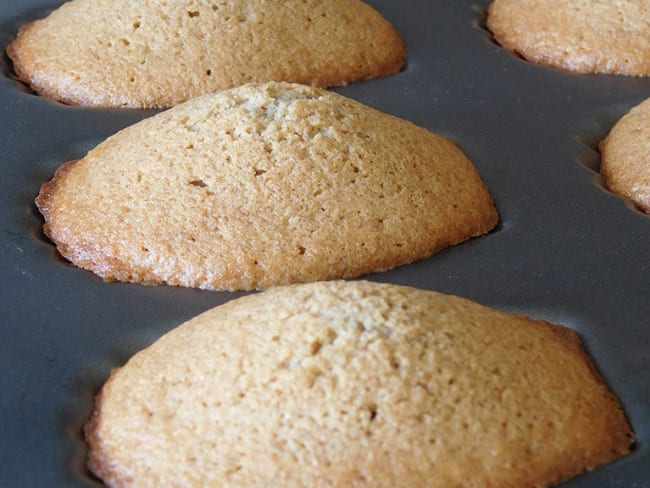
(585, 36)
(158, 53)
(356, 384)
(262, 185)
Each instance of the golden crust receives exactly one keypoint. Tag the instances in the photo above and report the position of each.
(119, 53)
(585, 36)
(48, 189)
(356, 384)
(264, 185)
(625, 161)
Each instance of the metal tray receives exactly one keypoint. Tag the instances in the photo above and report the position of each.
(566, 250)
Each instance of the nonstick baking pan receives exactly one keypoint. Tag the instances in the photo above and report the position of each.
(566, 250)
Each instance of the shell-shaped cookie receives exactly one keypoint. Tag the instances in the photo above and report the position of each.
(625, 161)
(158, 53)
(356, 384)
(263, 185)
(585, 36)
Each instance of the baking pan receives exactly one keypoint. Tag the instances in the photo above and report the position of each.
(566, 250)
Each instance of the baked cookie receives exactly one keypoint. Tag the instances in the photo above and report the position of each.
(625, 157)
(585, 36)
(158, 53)
(356, 384)
(263, 185)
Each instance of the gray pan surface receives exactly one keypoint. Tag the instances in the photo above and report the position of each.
(566, 250)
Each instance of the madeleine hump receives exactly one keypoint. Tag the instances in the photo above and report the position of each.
(362, 384)
(262, 185)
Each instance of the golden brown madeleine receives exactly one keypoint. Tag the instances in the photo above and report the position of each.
(586, 36)
(356, 384)
(158, 53)
(625, 161)
(263, 185)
